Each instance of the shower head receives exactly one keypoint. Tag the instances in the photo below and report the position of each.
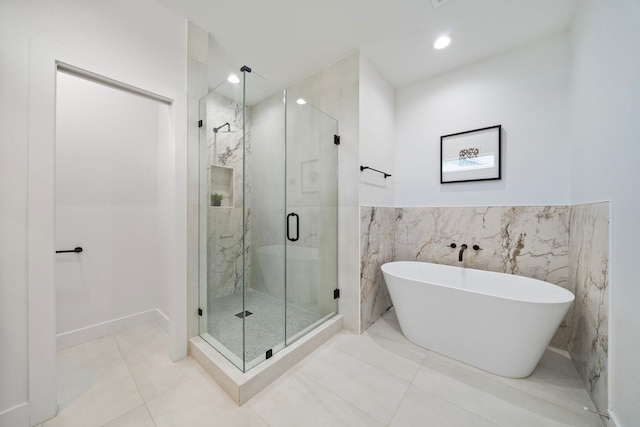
(215, 130)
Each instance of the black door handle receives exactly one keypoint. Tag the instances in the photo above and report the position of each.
(294, 215)
(77, 250)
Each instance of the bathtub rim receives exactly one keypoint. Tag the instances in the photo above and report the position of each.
(492, 295)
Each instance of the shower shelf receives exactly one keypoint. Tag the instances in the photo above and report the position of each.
(222, 183)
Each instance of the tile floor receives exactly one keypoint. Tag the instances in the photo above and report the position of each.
(375, 379)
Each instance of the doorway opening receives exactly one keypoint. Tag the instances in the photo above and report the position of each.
(112, 199)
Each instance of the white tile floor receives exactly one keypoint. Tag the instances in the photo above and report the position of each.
(376, 379)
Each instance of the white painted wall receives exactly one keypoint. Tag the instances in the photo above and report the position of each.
(526, 91)
(377, 119)
(111, 184)
(197, 87)
(150, 55)
(605, 147)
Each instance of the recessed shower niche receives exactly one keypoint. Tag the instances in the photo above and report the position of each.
(221, 185)
(268, 265)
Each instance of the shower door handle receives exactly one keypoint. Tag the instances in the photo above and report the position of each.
(294, 215)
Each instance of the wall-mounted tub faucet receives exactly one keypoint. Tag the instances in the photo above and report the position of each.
(462, 248)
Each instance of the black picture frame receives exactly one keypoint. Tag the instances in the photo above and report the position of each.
(473, 155)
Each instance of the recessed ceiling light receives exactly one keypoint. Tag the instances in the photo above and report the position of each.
(437, 3)
(301, 101)
(233, 79)
(442, 42)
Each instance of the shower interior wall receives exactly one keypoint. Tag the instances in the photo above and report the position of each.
(224, 259)
(264, 157)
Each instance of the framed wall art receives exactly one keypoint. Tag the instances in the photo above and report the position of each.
(473, 155)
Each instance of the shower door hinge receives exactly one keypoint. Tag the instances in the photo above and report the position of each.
(336, 293)
(336, 139)
(199, 123)
(199, 312)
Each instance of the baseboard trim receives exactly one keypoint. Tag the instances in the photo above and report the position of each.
(18, 416)
(82, 335)
(162, 320)
(613, 419)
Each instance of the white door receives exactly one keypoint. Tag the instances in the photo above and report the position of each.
(112, 187)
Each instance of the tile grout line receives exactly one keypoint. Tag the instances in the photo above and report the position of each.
(377, 367)
(149, 413)
(258, 414)
(404, 396)
(545, 401)
(335, 395)
(456, 364)
(144, 402)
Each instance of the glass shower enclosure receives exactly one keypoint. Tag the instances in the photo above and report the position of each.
(268, 224)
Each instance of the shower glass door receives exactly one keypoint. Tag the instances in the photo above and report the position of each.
(264, 195)
(268, 219)
(221, 222)
(312, 216)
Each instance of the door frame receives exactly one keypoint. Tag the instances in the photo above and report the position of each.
(45, 59)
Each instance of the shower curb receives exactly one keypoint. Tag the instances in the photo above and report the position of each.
(243, 386)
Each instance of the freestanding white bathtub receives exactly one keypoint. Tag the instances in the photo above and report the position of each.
(497, 322)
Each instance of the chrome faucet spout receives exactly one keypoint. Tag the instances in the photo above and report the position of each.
(462, 248)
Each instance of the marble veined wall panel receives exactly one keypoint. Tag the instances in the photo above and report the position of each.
(224, 251)
(531, 241)
(376, 248)
(535, 243)
(226, 254)
(589, 273)
(425, 234)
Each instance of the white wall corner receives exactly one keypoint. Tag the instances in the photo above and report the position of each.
(162, 320)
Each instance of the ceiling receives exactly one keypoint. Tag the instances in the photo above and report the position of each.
(285, 40)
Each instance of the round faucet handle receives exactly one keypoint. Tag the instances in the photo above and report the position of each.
(453, 245)
(477, 248)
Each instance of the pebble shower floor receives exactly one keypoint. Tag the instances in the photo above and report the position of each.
(265, 326)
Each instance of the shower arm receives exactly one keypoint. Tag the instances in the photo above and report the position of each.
(215, 130)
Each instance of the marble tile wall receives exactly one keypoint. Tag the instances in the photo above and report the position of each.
(589, 272)
(564, 245)
(377, 247)
(226, 256)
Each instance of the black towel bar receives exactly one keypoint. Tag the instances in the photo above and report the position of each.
(375, 170)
